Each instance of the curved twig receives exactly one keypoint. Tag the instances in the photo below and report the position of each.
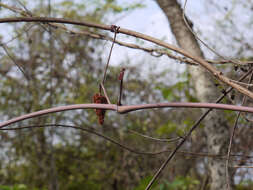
(217, 74)
(92, 132)
(155, 139)
(192, 154)
(94, 35)
(204, 43)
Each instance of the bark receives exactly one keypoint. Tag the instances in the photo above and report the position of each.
(216, 128)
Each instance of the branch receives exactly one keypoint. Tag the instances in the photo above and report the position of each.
(216, 73)
(126, 109)
(242, 167)
(153, 138)
(159, 52)
(92, 132)
(231, 139)
(191, 154)
(20, 68)
(194, 126)
(205, 44)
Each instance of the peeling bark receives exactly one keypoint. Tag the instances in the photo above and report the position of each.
(216, 128)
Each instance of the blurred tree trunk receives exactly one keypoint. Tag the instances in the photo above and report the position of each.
(216, 128)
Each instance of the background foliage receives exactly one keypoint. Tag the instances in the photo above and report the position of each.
(62, 68)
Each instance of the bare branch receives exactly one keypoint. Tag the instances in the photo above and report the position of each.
(90, 130)
(241, 166)
(94, 35)
(217, 74)
(196, 124)
(115, 30)
(20, 68)
(232, 136)
(155, 139)
(126, 109)
(205, 44)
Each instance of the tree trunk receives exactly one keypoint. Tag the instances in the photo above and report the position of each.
(216, 128)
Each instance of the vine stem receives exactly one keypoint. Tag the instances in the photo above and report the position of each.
(126, 109)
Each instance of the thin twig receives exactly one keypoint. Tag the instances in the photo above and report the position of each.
(156, 139)
(109, 57)
(105, 93)
(188, 135)
(93, 132)
(231, 139)
(241, 166)
(18, 35)
(26, 10)
(229, 150)
(159, 52)
(205, 44)
(15, 62)
(242, 83)
(28, 13)
(90, 130)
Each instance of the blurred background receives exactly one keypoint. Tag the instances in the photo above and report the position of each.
(43, 66)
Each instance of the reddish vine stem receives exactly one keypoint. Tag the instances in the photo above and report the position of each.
(126, 109)
(216, 73)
